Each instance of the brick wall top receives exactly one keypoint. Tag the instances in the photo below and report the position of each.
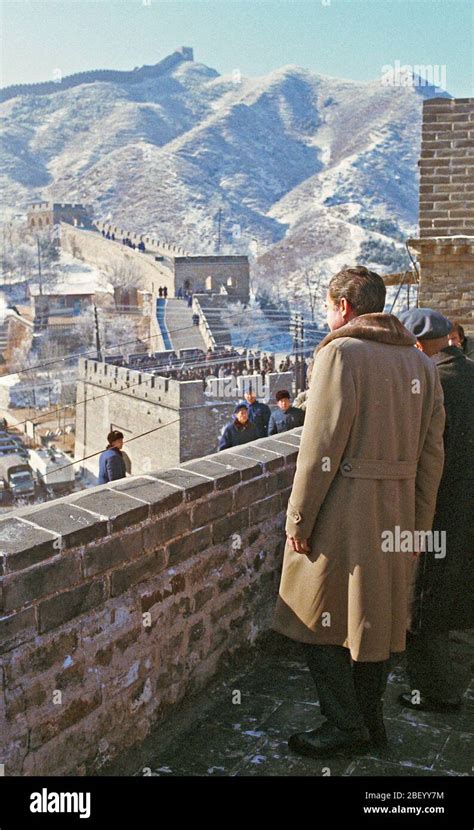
(55, 557)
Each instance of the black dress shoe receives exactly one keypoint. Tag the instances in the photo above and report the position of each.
(429, 704)
(375, 724)
(328, 740)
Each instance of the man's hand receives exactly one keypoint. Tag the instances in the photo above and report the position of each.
(299, 545)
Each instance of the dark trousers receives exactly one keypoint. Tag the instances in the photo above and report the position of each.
(429, 664)
(350, 693)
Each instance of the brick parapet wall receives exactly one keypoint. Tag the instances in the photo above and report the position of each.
(447, 277)
(447, 168)
(85, 672)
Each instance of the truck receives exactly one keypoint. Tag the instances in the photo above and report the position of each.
(53, 469)
(16, 476)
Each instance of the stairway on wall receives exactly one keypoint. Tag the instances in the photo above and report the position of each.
(178, 319)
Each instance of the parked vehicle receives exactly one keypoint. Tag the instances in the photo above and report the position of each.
(53, 468)
(13, 448)
(16, 476)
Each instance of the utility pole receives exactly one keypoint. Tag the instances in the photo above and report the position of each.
(39, 266)
(219, 220)
(97, 335)
(297, 329)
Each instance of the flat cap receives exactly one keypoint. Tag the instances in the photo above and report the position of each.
(238, 407)
(425, 323)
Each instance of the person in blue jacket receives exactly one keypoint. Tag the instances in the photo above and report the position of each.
(111, 461)
(286, 416)
(239, 431)
(259, 413)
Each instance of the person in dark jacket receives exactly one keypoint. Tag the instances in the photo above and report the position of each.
(457, 337)
(111, 461)
(286, 416)
(442, 596)
(259, 413)
(239, 431)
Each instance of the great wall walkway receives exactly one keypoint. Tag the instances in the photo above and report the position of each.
(213, 736)
(179, 323)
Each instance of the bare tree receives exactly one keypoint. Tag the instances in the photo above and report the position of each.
(125, 276)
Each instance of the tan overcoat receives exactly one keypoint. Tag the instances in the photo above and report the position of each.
(370, 460)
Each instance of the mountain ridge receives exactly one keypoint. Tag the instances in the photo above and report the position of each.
(322, 168)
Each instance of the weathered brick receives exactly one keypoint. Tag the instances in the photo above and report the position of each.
(264, 509)
(74, 525)
(41, 580)
(67, 605)
(17, 628)
(202, 597)
(212, 508)
(176, 585)
(221, 475)
(23, 545)
(38, 658)
(247, 467)
(160, 496)
(72, 675)
(179, 610)
(188, 545)
(225, 610)
(65, 717)
(165, 529)
(145, 567)
(223, 528)
(250, 492)
(107, 554)
(197, 632)
(256, 451)
(120, 509)
(194, 485)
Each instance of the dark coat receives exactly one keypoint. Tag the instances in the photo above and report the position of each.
(283, 421)
(111, 465)
(259, 415)
(468, 347)
(235, 436)
(443, 587)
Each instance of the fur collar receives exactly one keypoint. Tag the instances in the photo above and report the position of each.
(381, 327)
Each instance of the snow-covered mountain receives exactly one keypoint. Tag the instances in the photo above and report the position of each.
(308, 171)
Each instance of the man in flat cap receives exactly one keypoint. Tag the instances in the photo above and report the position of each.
(285, 416)
(443, 586)
(369, 464)
(239, 431)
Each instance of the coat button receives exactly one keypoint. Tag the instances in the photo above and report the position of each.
(347, 467)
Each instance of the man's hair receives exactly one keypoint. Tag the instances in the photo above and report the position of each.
(114, 436)
(281, 394)
(363, 289)
(459, 329)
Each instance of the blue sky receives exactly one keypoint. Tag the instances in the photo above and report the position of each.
(343, 38)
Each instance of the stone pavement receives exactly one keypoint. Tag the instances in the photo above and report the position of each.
(211, 735)
(179, 322)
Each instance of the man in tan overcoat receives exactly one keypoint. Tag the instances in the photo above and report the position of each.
(367, 475)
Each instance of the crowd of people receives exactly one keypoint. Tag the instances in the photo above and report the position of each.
(125, 241)
(253, 419)
(222, 362)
